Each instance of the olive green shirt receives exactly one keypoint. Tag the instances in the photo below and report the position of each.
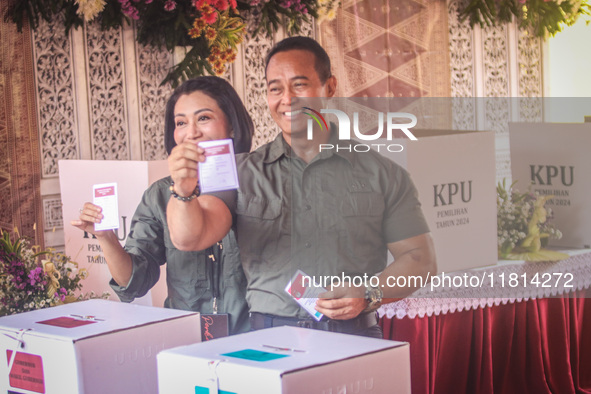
(189, 275)
(332, 216)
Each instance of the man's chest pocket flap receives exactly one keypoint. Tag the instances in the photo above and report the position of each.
(362, 204)
(260, 208)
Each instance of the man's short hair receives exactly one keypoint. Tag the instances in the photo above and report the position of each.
(322, 62)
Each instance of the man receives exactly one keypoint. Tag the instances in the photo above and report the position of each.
(327, 214)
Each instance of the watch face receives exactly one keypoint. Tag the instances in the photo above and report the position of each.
(373, 294)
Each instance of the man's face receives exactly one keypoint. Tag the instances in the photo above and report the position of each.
(290, 75)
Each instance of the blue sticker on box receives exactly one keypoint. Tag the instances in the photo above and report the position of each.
(255, 355)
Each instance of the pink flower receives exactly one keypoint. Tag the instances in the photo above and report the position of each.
(210, 18)
(170, 5)
(222, 5)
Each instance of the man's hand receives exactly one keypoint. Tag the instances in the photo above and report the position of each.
(343, 303)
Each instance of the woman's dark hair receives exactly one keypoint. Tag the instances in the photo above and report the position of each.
(322, 60)
(228, 101)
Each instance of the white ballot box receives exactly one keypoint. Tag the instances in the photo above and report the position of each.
(286, 360)
(90, 347)
(77, 178)
(553, 158)
(454, 172)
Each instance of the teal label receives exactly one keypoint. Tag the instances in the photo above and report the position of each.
(255, 355)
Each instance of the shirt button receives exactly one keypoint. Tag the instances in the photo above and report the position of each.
(307, 207)
(308, 244)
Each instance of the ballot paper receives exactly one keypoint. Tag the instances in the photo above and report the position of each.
(105, 196)
(303, 291)
(218, 172)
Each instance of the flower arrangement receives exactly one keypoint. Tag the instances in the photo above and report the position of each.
(211, 29)
(523, 226)
(31, 279)
(327, 9)
(546, 17)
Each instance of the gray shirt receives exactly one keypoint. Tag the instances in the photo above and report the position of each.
(189, 275)
(332, 216)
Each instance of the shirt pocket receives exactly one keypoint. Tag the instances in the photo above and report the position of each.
(262, 234)
(362, 204)
(258, 208)
(360, 231)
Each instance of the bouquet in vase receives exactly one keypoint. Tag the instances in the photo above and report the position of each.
(33, 279)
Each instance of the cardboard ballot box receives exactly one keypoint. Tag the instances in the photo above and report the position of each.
(286, 360)
(554, 159)
(94, 346)
(454, 172)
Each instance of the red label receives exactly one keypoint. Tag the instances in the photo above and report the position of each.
(104, 191)
(26, 372)
(297, 288)
(217, 150)
(66, 322)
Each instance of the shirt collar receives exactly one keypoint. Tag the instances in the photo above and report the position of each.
(276, 149)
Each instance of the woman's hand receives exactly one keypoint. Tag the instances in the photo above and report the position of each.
(89, 215)
(182, 164)
(118, 260)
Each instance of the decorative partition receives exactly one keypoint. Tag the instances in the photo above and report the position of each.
(494, 62)
(20, 200)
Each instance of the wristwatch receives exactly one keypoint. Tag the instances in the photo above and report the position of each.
(373, 296)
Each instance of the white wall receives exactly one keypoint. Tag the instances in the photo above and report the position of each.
(567, 73)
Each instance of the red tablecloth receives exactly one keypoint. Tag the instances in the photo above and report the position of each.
(537, 346)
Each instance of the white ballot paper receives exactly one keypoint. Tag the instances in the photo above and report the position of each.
(105, 196)
(218, 172)
(305, 293)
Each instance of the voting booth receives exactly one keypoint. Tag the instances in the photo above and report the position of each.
(78, 179)
(454, 173)
(552, 159)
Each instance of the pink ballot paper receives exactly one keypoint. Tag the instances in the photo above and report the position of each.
(305, 293)
(218, 172)
(105, 196)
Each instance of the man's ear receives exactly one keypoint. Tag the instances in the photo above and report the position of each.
(331, 86)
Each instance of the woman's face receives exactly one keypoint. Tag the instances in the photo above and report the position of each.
(197, 117)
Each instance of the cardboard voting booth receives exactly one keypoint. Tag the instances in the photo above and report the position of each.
(90, 347)
(553, 158)
(454, 172)
(77, 178)
(286, 360)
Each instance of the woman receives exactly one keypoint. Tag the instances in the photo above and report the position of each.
(211, 280)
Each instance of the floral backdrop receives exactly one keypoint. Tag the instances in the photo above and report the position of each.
(211, 29)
